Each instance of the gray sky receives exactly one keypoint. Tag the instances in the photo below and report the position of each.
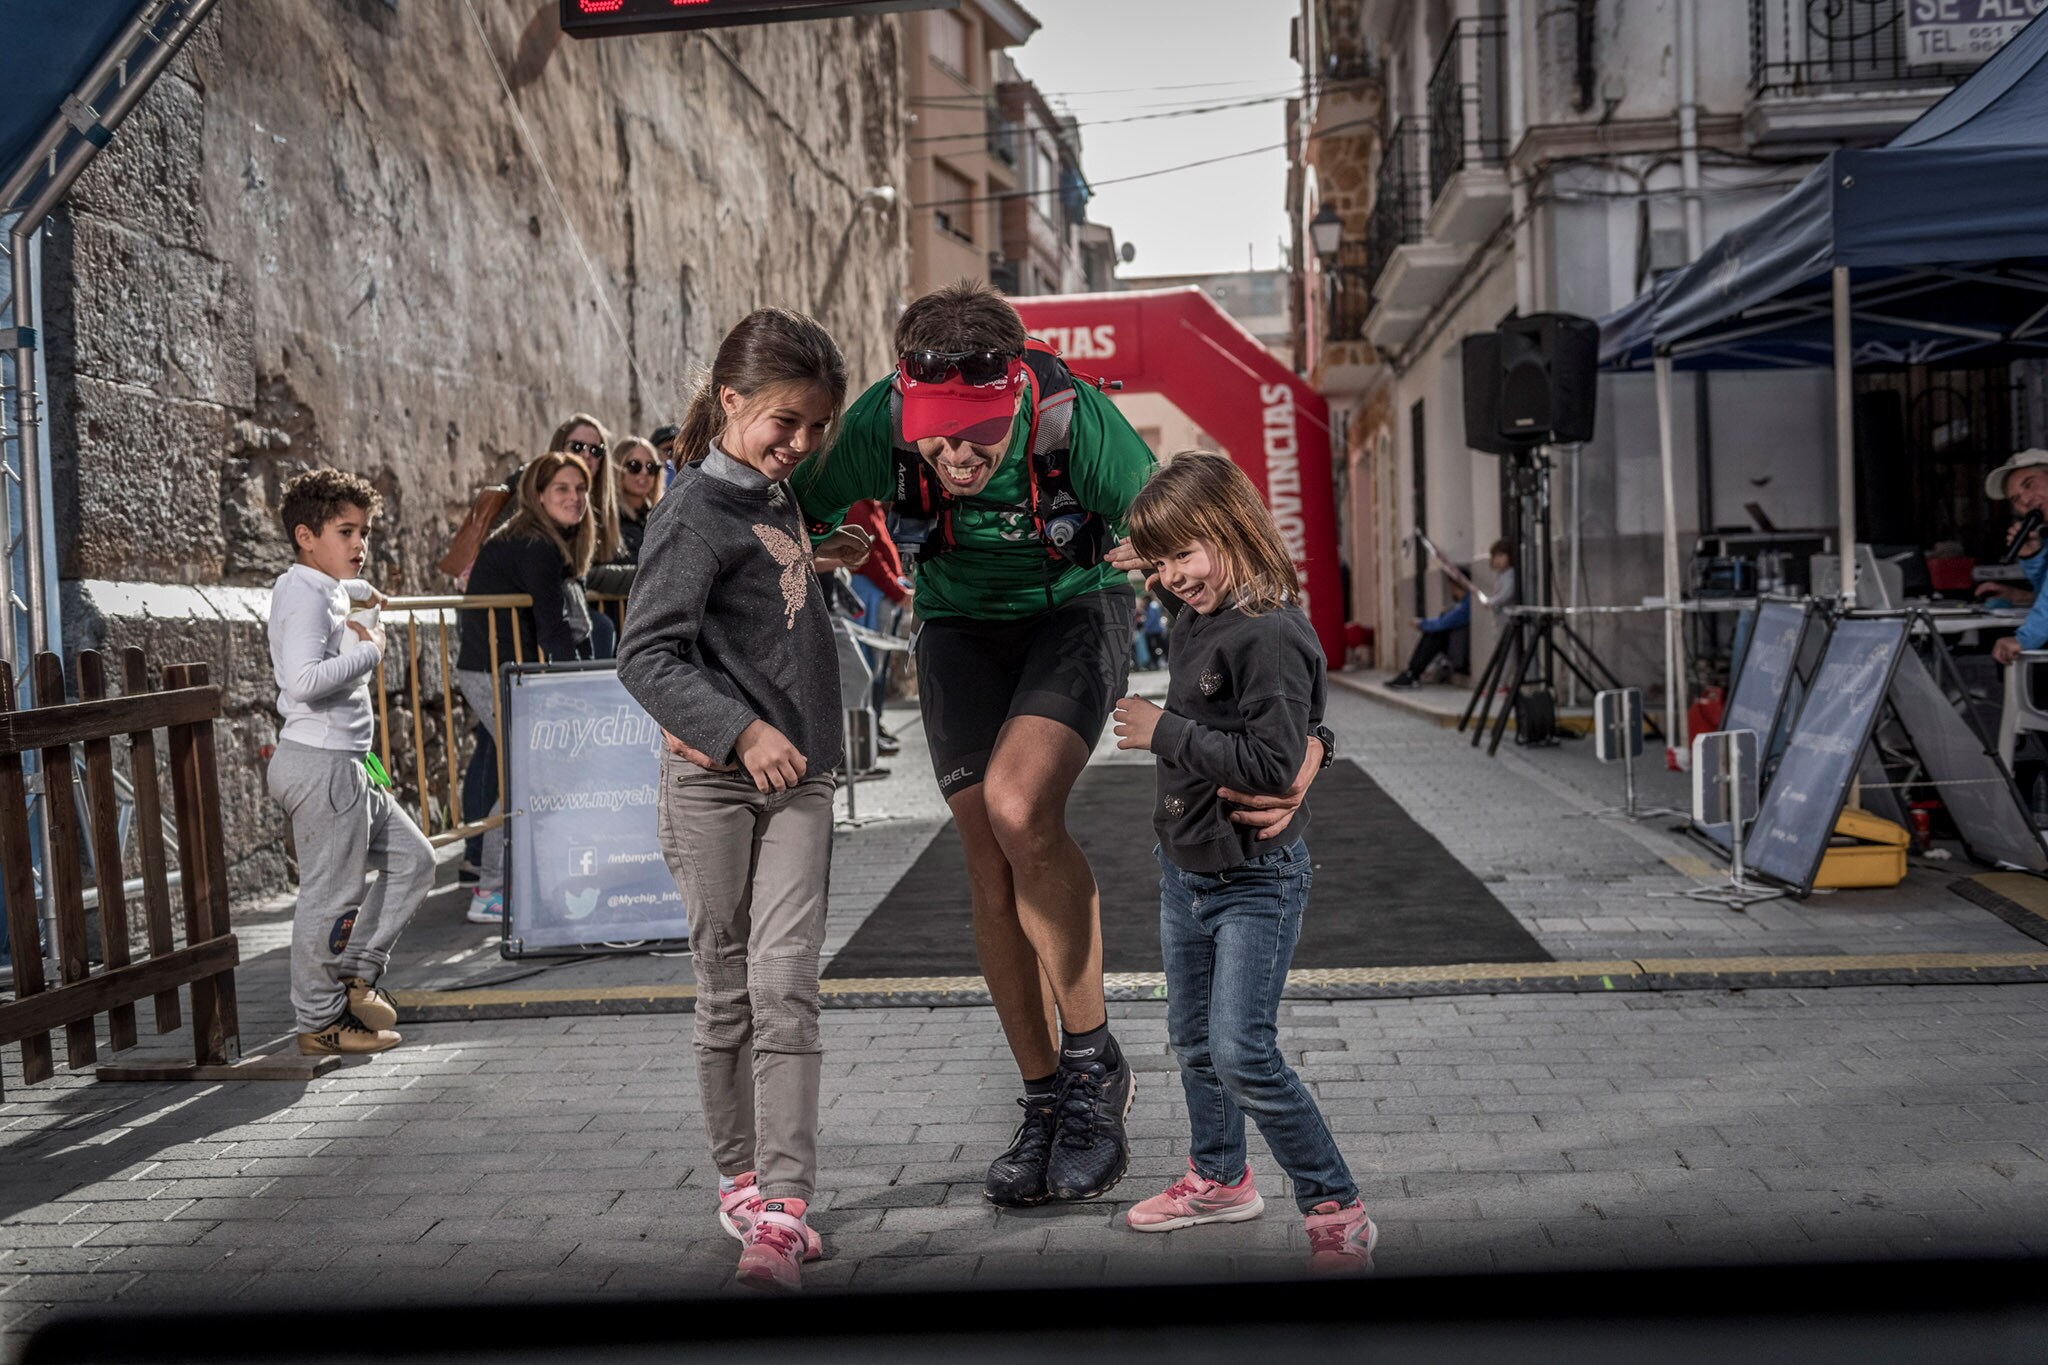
(1221, 51)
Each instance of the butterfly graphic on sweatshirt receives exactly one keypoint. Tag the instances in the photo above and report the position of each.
(795, 558)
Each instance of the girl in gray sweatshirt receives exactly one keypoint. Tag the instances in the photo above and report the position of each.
(728, 645)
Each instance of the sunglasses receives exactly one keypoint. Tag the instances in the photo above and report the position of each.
(587, 448)
(636, 467)
(973, 367)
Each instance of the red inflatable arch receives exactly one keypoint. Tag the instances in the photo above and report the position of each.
(1179, 344)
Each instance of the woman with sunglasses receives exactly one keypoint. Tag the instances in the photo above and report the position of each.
(1021, 654)
(639, 468)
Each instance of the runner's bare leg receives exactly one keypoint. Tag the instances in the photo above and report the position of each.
(1029, 777)
(1016, 984)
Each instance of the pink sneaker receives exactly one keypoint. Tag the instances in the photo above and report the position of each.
(1193, 1200)
(1340, 1240)
(776, 1244)
(738, 1211)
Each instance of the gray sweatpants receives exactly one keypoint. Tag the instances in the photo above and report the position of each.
(344, 829)
(753, 869)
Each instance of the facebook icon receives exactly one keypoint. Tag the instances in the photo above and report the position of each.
(582, 861)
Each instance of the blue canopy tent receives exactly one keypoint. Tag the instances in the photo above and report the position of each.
(1930, 248)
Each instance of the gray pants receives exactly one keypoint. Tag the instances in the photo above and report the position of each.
(753, 869)
(344, 829)
(476, 689)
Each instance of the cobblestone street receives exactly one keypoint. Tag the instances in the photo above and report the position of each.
(564, 1157)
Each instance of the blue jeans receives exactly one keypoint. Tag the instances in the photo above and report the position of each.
(479, 790)
(1228, 940)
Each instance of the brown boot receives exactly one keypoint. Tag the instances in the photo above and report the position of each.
(347, 1036)
(370, 1004)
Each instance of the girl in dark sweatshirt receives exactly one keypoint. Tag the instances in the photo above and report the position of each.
(729, 647)
(1244, 696)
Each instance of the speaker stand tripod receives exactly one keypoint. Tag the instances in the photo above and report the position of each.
(1531, 642)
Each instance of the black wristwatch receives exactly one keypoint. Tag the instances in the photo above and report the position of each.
(1323, 733)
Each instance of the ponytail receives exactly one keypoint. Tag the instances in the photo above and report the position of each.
(769, 348)
(702, 425)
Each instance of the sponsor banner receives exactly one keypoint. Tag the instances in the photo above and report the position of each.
(583, 774)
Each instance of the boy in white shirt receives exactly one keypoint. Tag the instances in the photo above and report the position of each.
(342, 826)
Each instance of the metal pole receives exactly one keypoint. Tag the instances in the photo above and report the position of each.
(1845, 436)
(1571, 590)
(1735, 811)
(1673, 739)
(1628, 770)
(852, 801)
(28, 398)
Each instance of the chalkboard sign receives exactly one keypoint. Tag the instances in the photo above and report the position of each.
(1756, 701)
(1812, 782)
(582, 775)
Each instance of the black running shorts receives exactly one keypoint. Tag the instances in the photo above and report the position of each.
(1070, 665)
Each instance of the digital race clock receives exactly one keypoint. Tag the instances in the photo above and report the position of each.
(603, 18)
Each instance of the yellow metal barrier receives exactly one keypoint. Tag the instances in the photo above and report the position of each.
(407, 612)
(614, 607)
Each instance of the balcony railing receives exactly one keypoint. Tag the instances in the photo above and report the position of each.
(1467, 102)
(1400, 194)
(1350, 286)
(1810, 47)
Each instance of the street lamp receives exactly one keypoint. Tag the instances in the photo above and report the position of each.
(1325, 233)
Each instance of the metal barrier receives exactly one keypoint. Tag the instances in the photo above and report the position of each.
(407, 612)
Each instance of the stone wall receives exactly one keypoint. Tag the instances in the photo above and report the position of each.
(406, 241)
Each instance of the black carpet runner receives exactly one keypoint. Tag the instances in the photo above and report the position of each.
(1387, 894)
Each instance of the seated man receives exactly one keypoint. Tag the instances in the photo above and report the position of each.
(2023, 482)
(1442, 635)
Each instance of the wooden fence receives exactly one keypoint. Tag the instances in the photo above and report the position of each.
(185, 708)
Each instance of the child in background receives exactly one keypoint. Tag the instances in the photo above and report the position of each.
(729, 647)
(1244, 693)
(342, 826)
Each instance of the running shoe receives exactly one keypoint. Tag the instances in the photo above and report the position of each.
(1340, 1239)
(486, 907)
(740, 1209)
(774, 1255)
(1016, 1179)
(1089, 1150)
(1193, 1200)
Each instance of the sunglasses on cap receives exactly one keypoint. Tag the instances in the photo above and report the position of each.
(973, 367)
(636, 467)
(586, 448)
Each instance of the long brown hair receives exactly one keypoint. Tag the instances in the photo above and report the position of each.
(604, 482)
(532, 522)
(1200, 495)
(770, 349)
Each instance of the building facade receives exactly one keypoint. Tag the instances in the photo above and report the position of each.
(965, 157)
(1489, 158)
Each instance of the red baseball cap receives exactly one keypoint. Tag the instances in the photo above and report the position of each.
(956, 410)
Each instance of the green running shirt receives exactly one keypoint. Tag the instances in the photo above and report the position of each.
(997, 569)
